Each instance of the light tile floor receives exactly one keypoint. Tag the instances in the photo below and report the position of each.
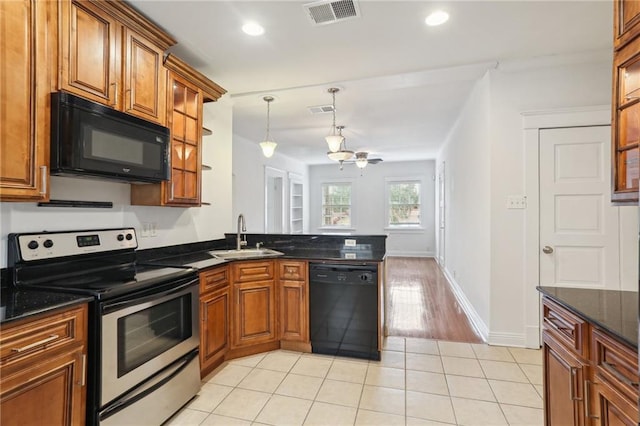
(418, 382)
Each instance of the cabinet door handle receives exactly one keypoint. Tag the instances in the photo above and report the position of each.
(587, 399)
(44, 341)
(572, 388)
(84, 370)
(43, 180)
(611, 368)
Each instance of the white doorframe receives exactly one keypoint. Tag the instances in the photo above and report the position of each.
(279, 216)
(533, 122)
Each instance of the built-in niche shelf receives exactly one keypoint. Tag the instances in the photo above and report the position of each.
(296, 210)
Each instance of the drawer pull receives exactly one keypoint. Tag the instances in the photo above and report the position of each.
(611, 368)
(51, 338)
(552, 322)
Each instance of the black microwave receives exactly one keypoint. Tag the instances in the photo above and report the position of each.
(92, 140)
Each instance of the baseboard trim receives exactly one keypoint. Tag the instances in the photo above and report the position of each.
(507, 339)
(477, 322)
(395, 253)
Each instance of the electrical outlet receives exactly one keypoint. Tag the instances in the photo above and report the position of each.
(516, 202)
(153, 229)
(144, 230)
(349, 243)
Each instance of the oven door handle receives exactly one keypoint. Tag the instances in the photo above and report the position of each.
(149, 386)
(147, 296)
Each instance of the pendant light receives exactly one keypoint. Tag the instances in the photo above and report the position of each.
(334, 140)
(342, 154)
(268, 146)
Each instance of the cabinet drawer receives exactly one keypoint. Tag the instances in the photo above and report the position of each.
(293, 270)
(214, 279)
(568, 328)
(42, 335)
(252, 271)
(615, 364)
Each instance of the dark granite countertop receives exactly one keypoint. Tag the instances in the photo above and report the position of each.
(613, 311)
(368, 248)
(17, 304)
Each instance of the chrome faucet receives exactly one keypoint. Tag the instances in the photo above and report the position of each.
(241, 239)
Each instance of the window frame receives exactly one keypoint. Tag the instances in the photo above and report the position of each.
(387, 203)
(351, 225)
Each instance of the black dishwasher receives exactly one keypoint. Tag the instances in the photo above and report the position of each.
(343, 305)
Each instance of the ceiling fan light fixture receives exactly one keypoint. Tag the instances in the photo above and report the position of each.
(361, 160)
(268, 145)
(334, 140)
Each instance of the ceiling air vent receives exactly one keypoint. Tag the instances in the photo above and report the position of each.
(330, 11)
(320, 109)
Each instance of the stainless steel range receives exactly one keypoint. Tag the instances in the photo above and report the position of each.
(143, 322)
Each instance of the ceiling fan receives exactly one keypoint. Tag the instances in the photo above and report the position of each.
(362, 159)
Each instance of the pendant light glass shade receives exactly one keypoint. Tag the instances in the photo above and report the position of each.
(268, 148)
(342, 154)
(268, 145)
(334, 140)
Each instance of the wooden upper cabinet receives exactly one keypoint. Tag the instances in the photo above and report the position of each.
(111, 54)
(626, 19)
(187, 91)
(29, 34)
(626, 122)
(144, 78)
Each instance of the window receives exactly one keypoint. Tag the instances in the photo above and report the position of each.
(336, 204)
(403, 203)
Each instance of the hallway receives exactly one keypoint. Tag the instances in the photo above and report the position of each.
(419, 303)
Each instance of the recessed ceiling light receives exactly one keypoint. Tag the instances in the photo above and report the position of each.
(438, 17)
(253, 29)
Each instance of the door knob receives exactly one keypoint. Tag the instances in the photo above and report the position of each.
(547, 250)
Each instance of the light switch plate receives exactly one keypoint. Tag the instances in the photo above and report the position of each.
(516, 202)
(350, 243)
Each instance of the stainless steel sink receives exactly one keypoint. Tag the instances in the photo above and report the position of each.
(245, 253)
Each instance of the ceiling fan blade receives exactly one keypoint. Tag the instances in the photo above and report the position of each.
(375, 160)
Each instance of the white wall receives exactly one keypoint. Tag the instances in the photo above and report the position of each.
(542, 84)
(368, 202)
(466, 155)
(249, 184)
(174, 225)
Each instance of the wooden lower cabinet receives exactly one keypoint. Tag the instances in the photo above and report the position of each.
(215, 304)
(293, 311)
(293, 283)
(564, 377)
(590, 377)
(254, 313)
(43, 369)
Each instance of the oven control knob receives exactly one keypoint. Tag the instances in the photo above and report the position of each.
(129, 237)
(120, 237)
(33, 244)
(47, 243)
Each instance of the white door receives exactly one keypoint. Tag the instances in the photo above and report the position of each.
(579, 239)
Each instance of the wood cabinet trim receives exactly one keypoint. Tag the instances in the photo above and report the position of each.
(211, 91)
(133, 19)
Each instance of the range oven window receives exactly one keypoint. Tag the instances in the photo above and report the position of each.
(147, 333)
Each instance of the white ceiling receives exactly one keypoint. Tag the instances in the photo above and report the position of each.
(402, 83)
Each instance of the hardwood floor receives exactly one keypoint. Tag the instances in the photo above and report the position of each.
(419, 302)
